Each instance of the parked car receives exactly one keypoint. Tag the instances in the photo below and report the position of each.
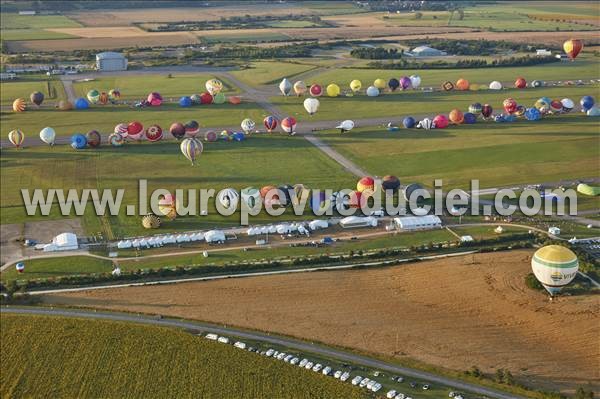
(356, 380)
(303, 362)
(317, 367)
(425, 387)
(288, 358)
(391, 394)
(364, 382)
(294, 361)
(400, 396)
(337, 374)
(376, 387)
(270, 352)
(309, 365)
(326, 370)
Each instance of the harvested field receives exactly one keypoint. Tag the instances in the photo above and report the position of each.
(453, 313)
(124, 31)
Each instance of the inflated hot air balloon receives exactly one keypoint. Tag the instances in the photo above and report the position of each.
(235, 100)
(456, 116)
(288, 125)
(151, 221)
(135, 130)
(114, 94)
(154, 133)
(425, 124)
(572, 47)
(379, 83)
(537, 83)
(556, 107)
(20, 266)
(594, 111)
(567, 104)
(116, 139)
(520, 110)
(226, 135)
(37, 98)
(393, 84)
(415, 81)
(195, 99)
(16, 137)
(495, 85)
(333, 90)
(219, 98)
(177, 129)
(470, 118)
(93, 96)
(586, 103)
(315, 90)
(520, 83)
(206, 98)
(78, 141)
(81, 103)
(48, 135)
(486, 110)
(510, 118)
(214, 86)
(238, 136)
(19, 105)
(509, 105)
(554, 266)
(405, 83)
(228, 198)
(475, 108)
(448, 86)
(270, 123)
(285, 87)
(185, 102)
(167, 205)
(355, 85)
(345, 126)
(121, 128)
(192, 128)
(372, 91)
(248, 125)
(155, 99)
(65, 105)
(250, 196)
(191, 148)
(311, 105)
(93, 138)
(210, 136)
(300, 88)
(462, 84)
(409, 122)
(365, 183)
(103, 98)
(499, 118)
(390, 182)
(543, 104)
(440, 121)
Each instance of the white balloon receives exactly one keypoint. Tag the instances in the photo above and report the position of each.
(372, 91)
(567, 104)
(248, 125)
(285, 87)
(311, 105)
(346, 125)
(495, 85)
(415, 81)
(228, 197)
(426, 124)
(594, 111)
(48, 135)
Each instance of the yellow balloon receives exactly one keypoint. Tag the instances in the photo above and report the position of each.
(333, 90)
(380, 83)
(355, 85)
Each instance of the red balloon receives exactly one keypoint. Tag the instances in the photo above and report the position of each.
(520, 83)
(177, 130)
(486, 110)
(154, 133)
(270, 123)
(288, 125)
(206, 98)
(510, 106)
(134, 128)
(441, 121)
(315, 90)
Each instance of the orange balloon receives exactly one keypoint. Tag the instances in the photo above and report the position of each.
(572, 47)
(19, 105)
(235, 100)
(462, 84)
(456, 116)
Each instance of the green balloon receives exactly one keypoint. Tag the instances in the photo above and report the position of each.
(219, 98)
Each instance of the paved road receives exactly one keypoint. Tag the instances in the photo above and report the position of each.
(268, 339)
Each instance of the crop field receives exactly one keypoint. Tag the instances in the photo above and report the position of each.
(33, 34)
(452, 313)
(15, 21)
(114, 359)
(10, 91)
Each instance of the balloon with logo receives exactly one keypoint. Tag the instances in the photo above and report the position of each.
(486, 110)
(93, 138)
(210, 136)
(440, 121)
(586, 103)
(177, 130)
(572, 48)
(393, 84)
(121, 128)
(285, 87)
(167, 206)
(510, 105)
(16, 137)
(154, 99)
(475, 108)
(288, 125)
(447, 86)
(315, 90)
(355, 85)
(462, 84)
(520, 83)
(543, 104)
(556, 107)
(214, 86)
(19, 105)
(300, 88)
(135, 130)
(93, 96)
(37, 98)
(191, 148)
(567, 104)
(116, 139)
(405, 83)
(248, 125)
(311, 105)
(78, 141)
(192, 128)
(520, 110)
(415, 81)
(270, 123)
(333, 90)
(48, 135)
(456, 116)
(154, 133)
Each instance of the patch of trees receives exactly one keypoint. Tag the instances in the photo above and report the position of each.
(237, 22)
(412, 5)
(470, 47)
(376, 53)
(466, 64)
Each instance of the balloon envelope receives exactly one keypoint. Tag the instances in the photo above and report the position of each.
(393, 84)
(214, 86)
(315, 90)
(185, 102)
(486, 110)
(219, 98)
(520, 83)
(248, 125)
(177, 129)
(554, 266)
(470, 118)
(333, 90)
(495, 85)
(594, 111)
(346, 125)
(191, 148)
(288, 125)
(78, 141)
(93, 138)
(379, 83)
(116, 139)
(587, 102)
(36, 97)
(154, 99)
(300, 88)
(355, 85)
(270, 123)
(441, 121)
(572, 47)
(48, 135)
(372, 91)
(409, 122)
(81, 103)
(405, 82)
(93, 96)
(311, 105)
(16, 137)
(456, 116)
(415, 81)
(285, 87)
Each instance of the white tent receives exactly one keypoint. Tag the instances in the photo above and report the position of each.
(318, 224)
(418, 222)
(358, 221)
(62, 242)
(125, 244)
(214, 236)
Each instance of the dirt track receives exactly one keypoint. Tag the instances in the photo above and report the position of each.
(452, 313)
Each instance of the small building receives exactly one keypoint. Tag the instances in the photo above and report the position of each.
(542, 52)
(418, 222)
(555, 231)
(26, 12)
(8, 76)
(466, 238)
(426, 51)
(62, 242)
(111, 61)
(358, 221)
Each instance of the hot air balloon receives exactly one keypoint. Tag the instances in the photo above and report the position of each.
(355, 85)
(311, 105)
(315, 90)
(345, 126)
(167, 205)
(300, 88)
(499, 118)
(116, 139)
(405, 83)
(154, 133)
(425, 124)
(572, 47)
(195, 99)
(210, 136)
(81, 103)
(93, 96)
(372, 91)
(390, 182)
(520, 110)
(288, 125)
(594, 111)
(214, 86)
(379, 83)
(486, 110)
(48, 135)
(415, 81)
(154, 99)
(333, 90)
(226, 135)
(448, 86)
(37, 98)
(206, 98)
(78, 141)
(510, 118)
(475, 108)
(20, 266)
(556, 106)
(586, 103)
(228, 198)
(462, 84)
(456, 116)
(191, 148)
(93, 138)
(19, 105)
(392, 127)
(409, 122)
(192, 128)
(250, 196)
(16, 137)
(440, 121)
(121, 128)
(285, 87)
(567, 104)
(393, 84)
(270, 123)
(235, 100)
(248, 125)
(543, 104)
(185, 102)
(365, 183)
(103, 98)
(135, 130)
(520, 83)
(219, 98)
(114, 94)
(510, 105)
(470, 118)
(495, 85)
(177, 129)
(238, 136)
(151, 221)
(65, 105)
(554, 266)
(264, 191)
(537, 83)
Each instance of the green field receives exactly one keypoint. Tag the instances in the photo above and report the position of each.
(15, 21)
(245, 37)
(9, 91)
(266, 72)
(33, 34)
(68, 357)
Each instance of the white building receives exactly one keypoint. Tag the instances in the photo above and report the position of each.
(418, 222)
(62, 242)
(543, 52)
(555, 231)
(358, 221)
(425, 51)
(111, 61)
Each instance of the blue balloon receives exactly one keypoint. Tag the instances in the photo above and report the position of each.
(533, 114)
(239, 136)
(469, 118)
(185, 101)
(81, 103)
(78, 141)
(510, 118)
(499, 118)
(587, 102)
(409, 122)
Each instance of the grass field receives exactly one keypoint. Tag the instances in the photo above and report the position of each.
(113, 359)
(15, 21)
(266, 72)
(33, 34)
(234, 37)
(9, 91)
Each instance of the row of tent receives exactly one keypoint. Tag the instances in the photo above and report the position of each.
(149, 242)
(288, 228)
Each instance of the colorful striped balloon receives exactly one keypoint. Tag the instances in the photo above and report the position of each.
(19, 105)
(16, 137)
(191, 148)
(572, 47)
